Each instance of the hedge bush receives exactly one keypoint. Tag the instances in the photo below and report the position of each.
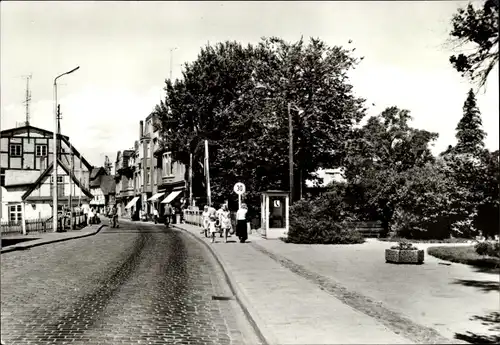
(488, 248)
(322, 221)
(464, 255)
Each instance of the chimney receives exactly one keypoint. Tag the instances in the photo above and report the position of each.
(141, 129)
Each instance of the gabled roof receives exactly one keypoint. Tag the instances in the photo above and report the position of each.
(12, 131)
(128, 153)
(108, 184)
(45, 174)
(105, 182)
(97, 171)
(96, 182)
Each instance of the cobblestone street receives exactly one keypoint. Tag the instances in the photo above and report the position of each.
(138, 284)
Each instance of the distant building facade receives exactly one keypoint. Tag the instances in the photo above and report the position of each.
(147, 175)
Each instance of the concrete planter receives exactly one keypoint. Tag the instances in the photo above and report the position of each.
(404, 256)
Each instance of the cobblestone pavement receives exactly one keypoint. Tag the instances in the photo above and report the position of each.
(138, 284)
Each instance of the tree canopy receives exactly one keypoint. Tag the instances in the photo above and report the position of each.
(236, 97)
(378, 155)
(479, 28)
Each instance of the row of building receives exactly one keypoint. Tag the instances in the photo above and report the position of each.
(146, 176)
(26, 178)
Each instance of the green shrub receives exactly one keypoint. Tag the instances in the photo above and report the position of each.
(404, 246)
(322, 221)
(488, 248)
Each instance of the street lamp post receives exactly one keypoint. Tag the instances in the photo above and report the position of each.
(54, 155)
(290, 150)
(290, 141)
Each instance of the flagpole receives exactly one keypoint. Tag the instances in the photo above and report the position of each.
(207, 172)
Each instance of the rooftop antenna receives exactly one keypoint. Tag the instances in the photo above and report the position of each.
(27, 101)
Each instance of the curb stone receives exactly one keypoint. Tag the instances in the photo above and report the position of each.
(29, 246)
(247, 308)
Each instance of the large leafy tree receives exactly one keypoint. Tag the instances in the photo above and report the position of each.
(477, 28)
(219, 100)
(488, 181)
(378, 155)
(313, 79)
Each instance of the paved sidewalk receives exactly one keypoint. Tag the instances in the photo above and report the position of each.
(454, 299)
(287, 308)
(34, 240)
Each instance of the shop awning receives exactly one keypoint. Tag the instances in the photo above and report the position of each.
(155, 197)
(132, 202)
(171, 196)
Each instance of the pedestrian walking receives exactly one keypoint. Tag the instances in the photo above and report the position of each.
(212, 220)
(168, 214)
(114, 217)
(241, 223)
(225, 221)
(205, 220)
(218, 222)
(91, 216)
(155, 215)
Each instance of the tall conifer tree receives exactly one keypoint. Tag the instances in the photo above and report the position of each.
(470, 134)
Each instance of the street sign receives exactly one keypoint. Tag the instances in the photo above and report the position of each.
(239, 188)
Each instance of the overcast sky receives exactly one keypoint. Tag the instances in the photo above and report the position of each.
(122, 49)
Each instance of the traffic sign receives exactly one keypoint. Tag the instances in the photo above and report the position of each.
(239, 188)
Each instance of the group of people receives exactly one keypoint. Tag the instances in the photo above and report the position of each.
(92, 216)
(219, 221)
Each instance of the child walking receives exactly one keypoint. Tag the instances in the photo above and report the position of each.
(225, 221)
(205, 221)
(212, 220)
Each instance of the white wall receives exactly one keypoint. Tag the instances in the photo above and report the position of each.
(20, 176)
(37, 211)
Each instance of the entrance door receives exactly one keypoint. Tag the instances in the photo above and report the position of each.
(277, 212)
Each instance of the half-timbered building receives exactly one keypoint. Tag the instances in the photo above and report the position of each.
(26, 164)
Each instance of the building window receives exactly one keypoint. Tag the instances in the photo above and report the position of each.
(60, 185)
(15, 213)
(148, 177)
(2, 177)
(60, 179)
(41, 150)
(167, 164)
(15, 150)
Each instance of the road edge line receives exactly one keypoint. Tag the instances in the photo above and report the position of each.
(244, 305)
(13, 249)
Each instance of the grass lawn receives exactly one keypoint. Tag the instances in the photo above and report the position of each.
(447, 240)
(464, 255)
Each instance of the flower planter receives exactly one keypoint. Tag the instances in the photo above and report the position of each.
(404, 256)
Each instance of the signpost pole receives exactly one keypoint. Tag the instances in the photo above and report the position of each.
(239, 188)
